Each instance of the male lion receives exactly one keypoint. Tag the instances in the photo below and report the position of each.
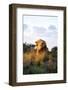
(38, 54)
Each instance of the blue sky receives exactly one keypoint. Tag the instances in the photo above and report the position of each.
(41, 27)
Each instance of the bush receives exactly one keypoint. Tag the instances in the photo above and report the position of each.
(47, 66)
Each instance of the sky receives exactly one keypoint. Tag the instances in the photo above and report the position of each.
(40, 27)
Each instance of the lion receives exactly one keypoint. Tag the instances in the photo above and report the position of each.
(38, 54)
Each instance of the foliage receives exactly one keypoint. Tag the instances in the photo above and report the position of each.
(49, 66)
(27, 47)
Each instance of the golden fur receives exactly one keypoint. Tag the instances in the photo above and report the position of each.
(38, 54)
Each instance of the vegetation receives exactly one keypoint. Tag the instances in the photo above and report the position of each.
(48, 66)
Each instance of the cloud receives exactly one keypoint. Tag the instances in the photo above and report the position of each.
(41, 29)
(38, 32)
(52, 27)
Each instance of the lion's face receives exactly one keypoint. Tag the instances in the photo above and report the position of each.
(40, 44)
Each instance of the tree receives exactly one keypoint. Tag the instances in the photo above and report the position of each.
(27, 47)
(54, 53)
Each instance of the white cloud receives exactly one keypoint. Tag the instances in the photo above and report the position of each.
(52, 27)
